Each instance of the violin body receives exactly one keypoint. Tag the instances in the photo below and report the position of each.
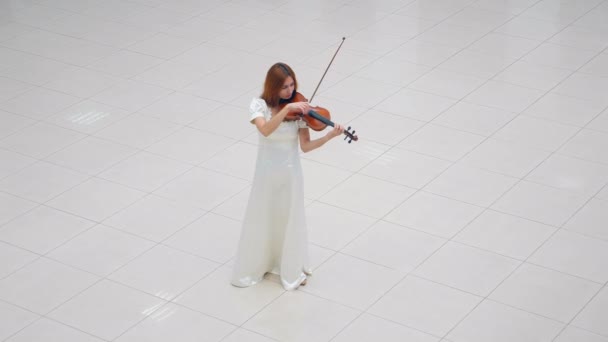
(318, 118)
(312, 122)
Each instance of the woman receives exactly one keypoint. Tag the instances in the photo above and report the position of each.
(274, 236)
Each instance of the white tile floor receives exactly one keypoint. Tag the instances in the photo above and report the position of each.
(473, 208)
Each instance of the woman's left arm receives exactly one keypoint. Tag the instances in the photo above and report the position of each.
(308, 145)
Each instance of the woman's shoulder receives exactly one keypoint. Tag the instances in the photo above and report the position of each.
(258, 103)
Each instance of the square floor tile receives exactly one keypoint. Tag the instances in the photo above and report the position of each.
(425, 306)
(385, 128)
(14, 319)
(11, 162)
(415, 104)
(96, 199)
(368, 328)
(100, 250)
(181, 108)
(479, 64)
(12, 123)
(527, 27)
(154, 218)
(41, 139)
(510, 324)
(246, 335)
(163, 46)
(217, 188)
(172, 75)
(87, 116)
(473, 118)
(44, 285)
(228, 121)
(466, 268)
(351, 157)
(216, 297)
(212, 236)
(470, 185)
(82, 82)
(564, 109)
(505, 234)
(388, 70)
(406, 168)
(13, 258)
(138, 131)
(106, 309)
(43, 229)
(319, 178)
(570, 174)
(191, 146)
(238, 160)
(41, 181)
(447, 83)
(540, 203)
(533, 75)
(163, 272)
(574, 254)
(144, 171)
(593, 316)
(381, 196)
(589, 145)
(91, 155)
(297, 316)
(173, 322)
(591, 220)
(573, 334)
(48, 330)
(441, 142)
(584, 87)
(125, 63)
(39, 103)
(329, 281)
(505, 45)
(545, 292)
(560, 56)
(333, 227)
(600, 123)
(505, 157)
(394, 246)
(506, 96)
(434, 214)
(131, 95)
(423, 53)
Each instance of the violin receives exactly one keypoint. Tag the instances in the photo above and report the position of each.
(318, 118)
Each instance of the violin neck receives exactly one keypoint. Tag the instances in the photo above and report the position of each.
(321, 118)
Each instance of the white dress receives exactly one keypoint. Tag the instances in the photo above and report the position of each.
(274, 236)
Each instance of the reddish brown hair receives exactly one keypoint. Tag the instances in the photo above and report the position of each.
(275, 78)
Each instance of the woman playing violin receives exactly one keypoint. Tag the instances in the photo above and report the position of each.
(274, 236)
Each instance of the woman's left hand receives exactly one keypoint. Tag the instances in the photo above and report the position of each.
(336, 131)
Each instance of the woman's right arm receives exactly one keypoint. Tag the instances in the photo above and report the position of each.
(267, 127)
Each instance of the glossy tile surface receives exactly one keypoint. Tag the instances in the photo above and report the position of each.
(473, 208)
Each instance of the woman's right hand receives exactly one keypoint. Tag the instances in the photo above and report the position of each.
(299, 107)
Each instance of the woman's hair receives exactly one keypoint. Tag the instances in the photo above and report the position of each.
(275, 78)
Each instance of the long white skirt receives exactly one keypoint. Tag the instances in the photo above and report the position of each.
(274, 236)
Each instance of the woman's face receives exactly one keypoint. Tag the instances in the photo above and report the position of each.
(287, 88)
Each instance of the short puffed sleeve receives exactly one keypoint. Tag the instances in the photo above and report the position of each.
(257, 109)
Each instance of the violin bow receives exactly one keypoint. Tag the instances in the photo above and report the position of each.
(326, 69)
